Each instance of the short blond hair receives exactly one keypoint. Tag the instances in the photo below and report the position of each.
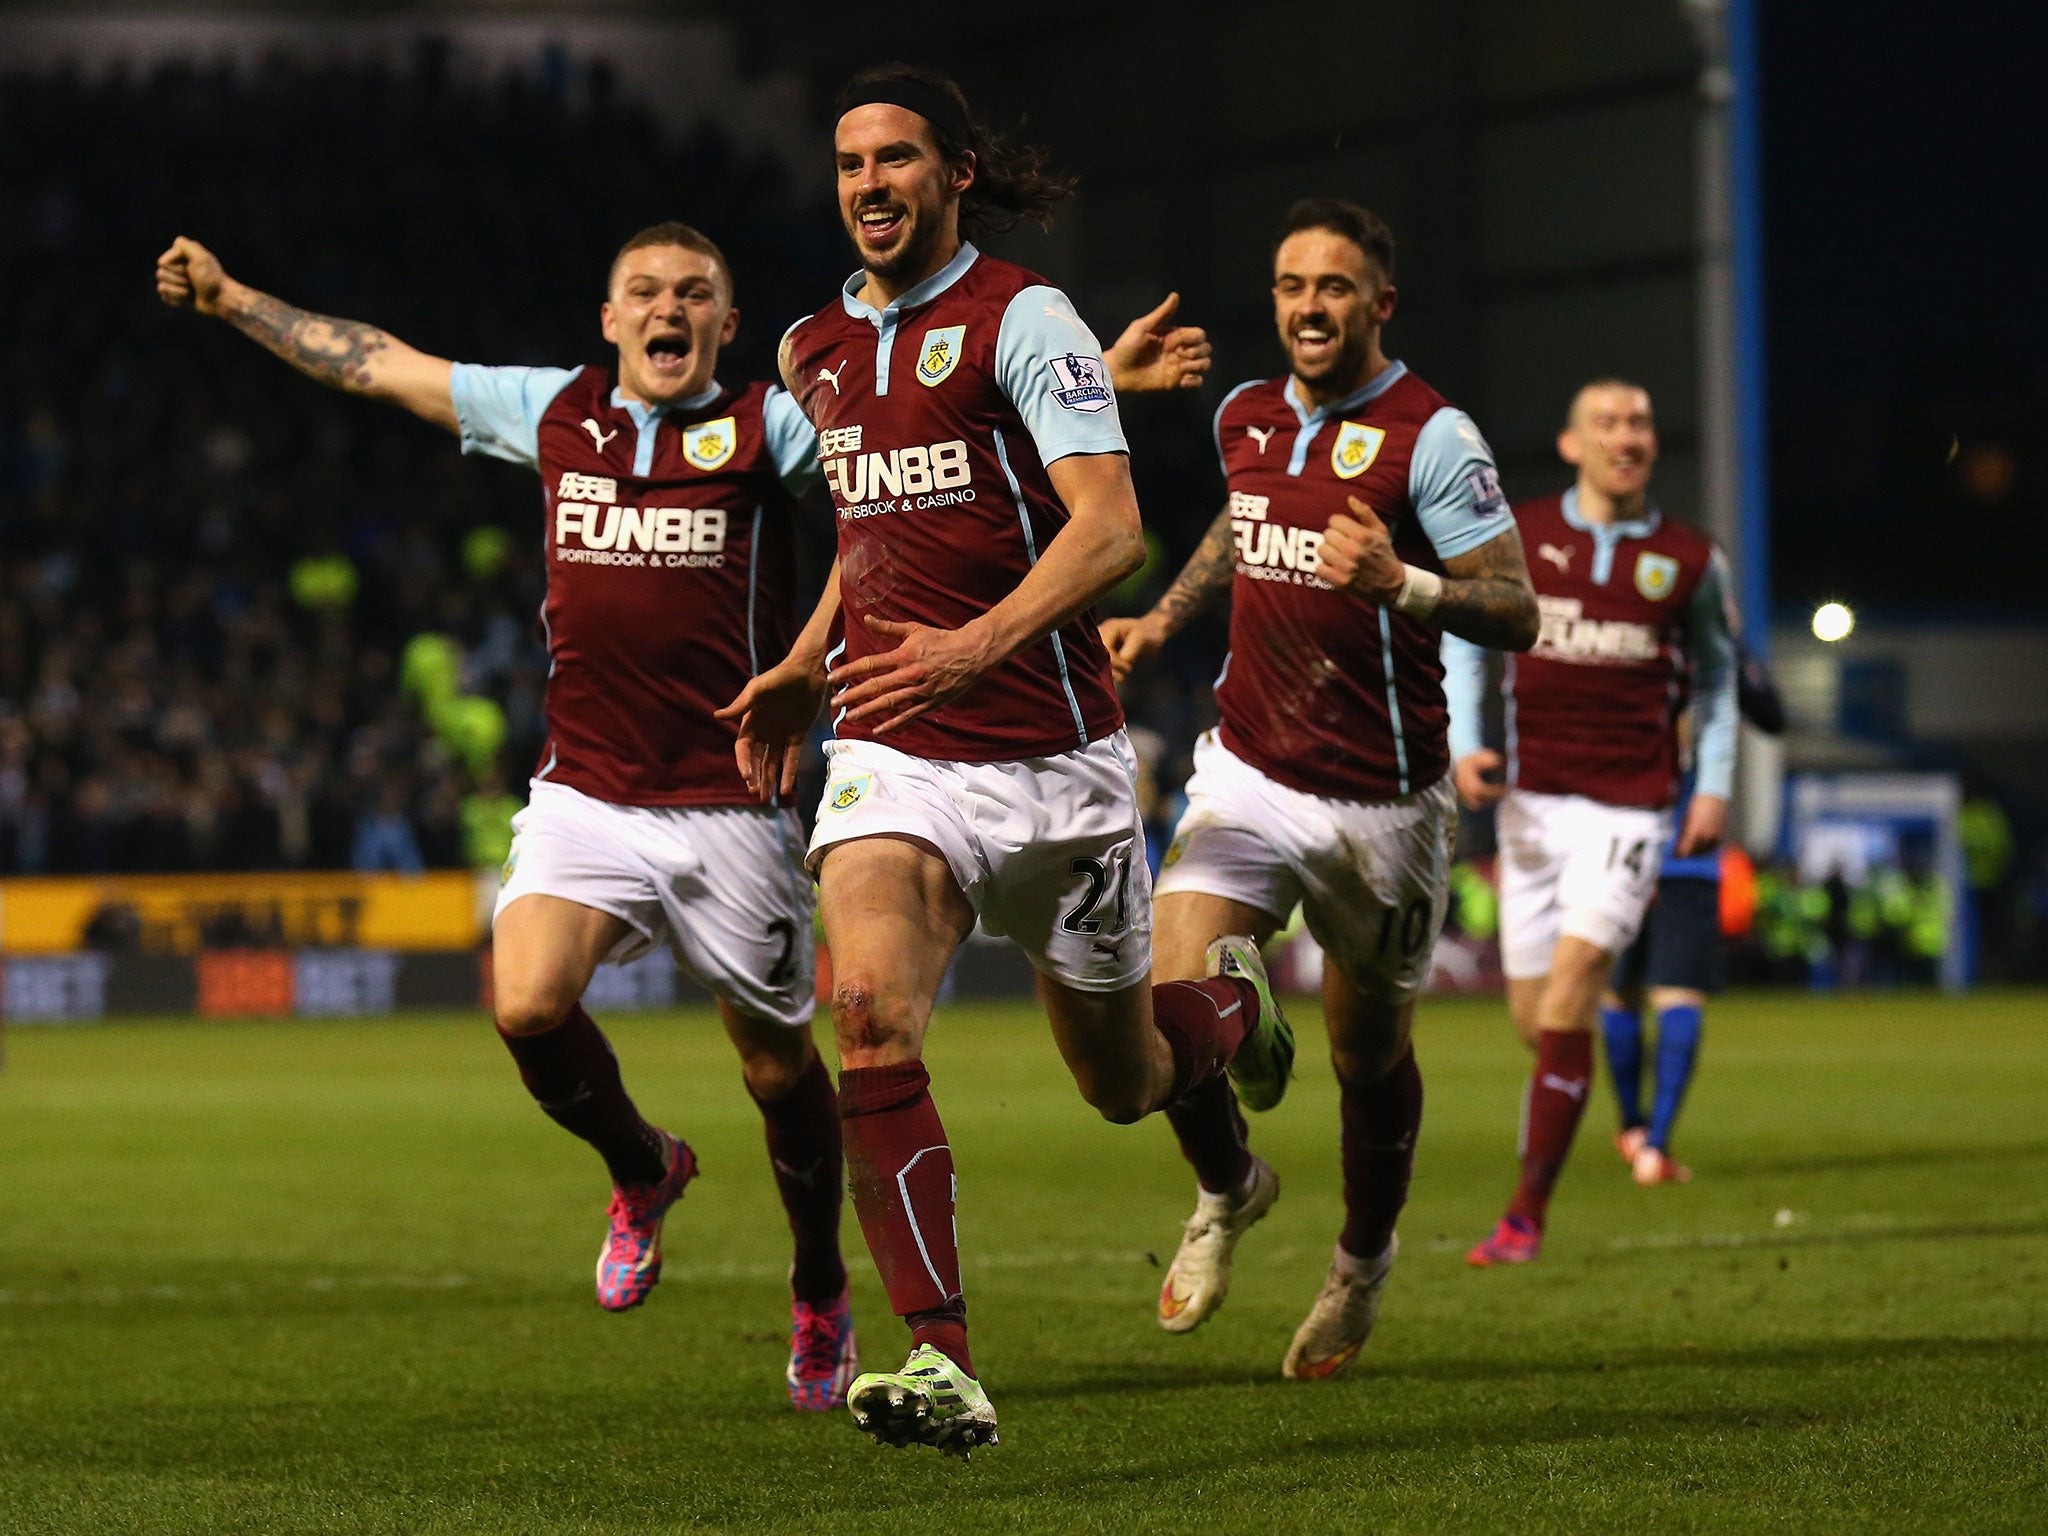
(672, 232)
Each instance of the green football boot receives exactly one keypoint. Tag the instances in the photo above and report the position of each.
(1262, 1065)
(931, 1401)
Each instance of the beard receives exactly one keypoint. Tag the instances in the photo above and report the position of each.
(914, 247)
(1346, 361)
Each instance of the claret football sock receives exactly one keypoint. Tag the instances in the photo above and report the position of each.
(1678, 1045)
(1381, 1119)
(1550, 1116)
(944, 1329)
(900, 1171)
(1212, 1136)
(574, 1077)
(1204, 1023)
(804, 1150)
(1623, 1030)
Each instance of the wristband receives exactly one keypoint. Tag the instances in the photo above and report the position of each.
(1420, 591)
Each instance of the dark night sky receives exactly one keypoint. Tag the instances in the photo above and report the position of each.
(1903, 206)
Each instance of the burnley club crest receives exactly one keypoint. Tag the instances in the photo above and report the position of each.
(1356, 447)
(710, 443)
(1656, 576)
(940, 354)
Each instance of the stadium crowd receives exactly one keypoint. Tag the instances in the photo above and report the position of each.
(209, 574)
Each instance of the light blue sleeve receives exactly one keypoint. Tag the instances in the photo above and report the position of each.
(1050, 366)
(1454, 486)
(792, 440)
(1716, 709)
(1465, 694)
(499, 409)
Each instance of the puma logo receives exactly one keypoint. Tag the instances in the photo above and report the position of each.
(597, 435)
(831, 375)
(1561, 558)
(1573, 1088)
(1067, 320)
(1262, 435)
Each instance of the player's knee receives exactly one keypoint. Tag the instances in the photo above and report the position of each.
(772, 1070)
(1118, 1101)
(1361, 1066)
(527, 1012)
(868, 1023)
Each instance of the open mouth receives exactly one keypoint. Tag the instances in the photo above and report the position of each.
(1314, 342)
(669, 353)
(879, 225)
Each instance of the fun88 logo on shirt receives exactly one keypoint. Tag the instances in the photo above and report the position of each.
(900, 480)
(597, 531)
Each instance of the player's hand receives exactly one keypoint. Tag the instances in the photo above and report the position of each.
(189, 276)
(1154, 354)
(1130, 641)
(927, 668)
(1477, 778)
(1706, 823)
(1357, 555)
(776, 711)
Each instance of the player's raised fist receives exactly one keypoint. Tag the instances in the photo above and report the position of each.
(189, 276)
(1154, 354)
(1130, 641)
(1358, 556)
(1477, 778)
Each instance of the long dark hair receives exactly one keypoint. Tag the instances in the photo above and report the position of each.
(1011, 183)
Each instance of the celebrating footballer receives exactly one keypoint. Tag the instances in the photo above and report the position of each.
(1364, 520)
(979, 769)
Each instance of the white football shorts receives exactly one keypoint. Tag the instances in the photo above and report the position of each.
(1569, 865)
(1048, 850)
(722, 885)
(1372, 877)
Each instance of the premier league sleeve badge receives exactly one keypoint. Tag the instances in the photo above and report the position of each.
(1083, 382)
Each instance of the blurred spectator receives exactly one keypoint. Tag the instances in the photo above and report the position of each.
(487, 813)
(384, 839)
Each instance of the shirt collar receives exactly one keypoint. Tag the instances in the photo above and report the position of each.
(642, 413)
(910, 298)
(1372, 389)
(1632, 528)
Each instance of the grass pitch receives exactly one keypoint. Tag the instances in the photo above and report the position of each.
(336, 1277)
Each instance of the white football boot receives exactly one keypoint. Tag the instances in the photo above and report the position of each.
(1341, 1320)
(1199, 1277)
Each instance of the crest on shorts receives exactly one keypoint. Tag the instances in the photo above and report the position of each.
(1174, 851)
(1656, 576)
(710, 443)
(847, 793)
(511, 863)
(1356, 447)
(939, 354)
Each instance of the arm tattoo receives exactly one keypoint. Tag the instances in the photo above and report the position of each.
(340, 353)
(1487, 598)
(1206, 577)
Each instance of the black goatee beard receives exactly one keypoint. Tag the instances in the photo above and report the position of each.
(911, 256)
